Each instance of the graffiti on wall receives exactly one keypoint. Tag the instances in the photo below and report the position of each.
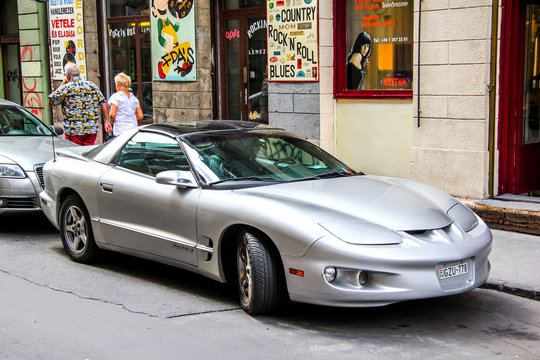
(173, 40)
(32, 99)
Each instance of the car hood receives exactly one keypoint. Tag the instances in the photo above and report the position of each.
(359, 199)
(28, 151)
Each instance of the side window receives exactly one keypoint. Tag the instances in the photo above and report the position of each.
(151, 154)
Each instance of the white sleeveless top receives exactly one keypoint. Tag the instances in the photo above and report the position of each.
(125, 114)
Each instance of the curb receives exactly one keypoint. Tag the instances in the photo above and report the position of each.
(503, 287)
(503, 218)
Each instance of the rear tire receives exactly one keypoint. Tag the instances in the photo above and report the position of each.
(258, 276)
(76, 230)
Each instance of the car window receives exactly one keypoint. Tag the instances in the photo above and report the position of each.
(150, 154)
(259, 154)
(16, 121)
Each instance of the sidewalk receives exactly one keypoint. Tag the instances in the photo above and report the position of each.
(515, 264)
(509, 212)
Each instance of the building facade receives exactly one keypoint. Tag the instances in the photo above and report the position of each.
(447, 93)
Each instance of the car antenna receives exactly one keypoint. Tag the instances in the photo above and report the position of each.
(53, 133)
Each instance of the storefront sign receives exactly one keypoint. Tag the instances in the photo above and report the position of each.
(173, 40)
(292, 40)
(67, 36)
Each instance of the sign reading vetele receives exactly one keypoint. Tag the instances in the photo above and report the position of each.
(67, 36)
(292, 40)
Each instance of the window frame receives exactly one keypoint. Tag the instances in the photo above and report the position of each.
(340, 68)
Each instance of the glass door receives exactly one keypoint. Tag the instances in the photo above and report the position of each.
(243, 92)
(529, 152)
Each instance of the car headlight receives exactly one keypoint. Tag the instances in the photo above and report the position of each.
(463, 216)
(11, 171)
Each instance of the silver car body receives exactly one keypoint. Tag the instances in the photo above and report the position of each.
(401, 233)
(30, 152)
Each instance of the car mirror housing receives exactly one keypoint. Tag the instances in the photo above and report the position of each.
(177, 178)
(58, 130)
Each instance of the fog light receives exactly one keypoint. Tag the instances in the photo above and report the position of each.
(362, 278)
(2, 202)
(329, 273)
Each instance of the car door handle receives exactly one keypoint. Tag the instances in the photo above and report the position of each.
(107, 187)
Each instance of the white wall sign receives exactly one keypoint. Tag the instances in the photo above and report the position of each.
(66, 28)
(293, 49)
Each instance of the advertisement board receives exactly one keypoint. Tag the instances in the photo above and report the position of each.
(292, 28)
(173, 40)
(66, 27)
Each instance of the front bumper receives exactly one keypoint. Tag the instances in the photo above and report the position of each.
(20, 195)
(48, 205)
(394, 272)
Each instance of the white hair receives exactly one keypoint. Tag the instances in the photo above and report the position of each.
(71, 69)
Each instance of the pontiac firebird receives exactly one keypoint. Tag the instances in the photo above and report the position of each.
(270, 212)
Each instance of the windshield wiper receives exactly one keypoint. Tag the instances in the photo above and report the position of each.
(246, 178)
(332, 174)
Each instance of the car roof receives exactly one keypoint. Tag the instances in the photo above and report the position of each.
(179, 128)
(4, 102)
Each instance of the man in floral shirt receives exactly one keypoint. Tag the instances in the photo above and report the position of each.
(80, 101)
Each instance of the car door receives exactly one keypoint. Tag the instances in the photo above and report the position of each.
(139, 215)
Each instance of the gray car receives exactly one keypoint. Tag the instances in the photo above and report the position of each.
(270, 212)
(25, 145)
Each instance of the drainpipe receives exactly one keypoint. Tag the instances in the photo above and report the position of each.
(492, 87)
(418, 64)
(43, 33)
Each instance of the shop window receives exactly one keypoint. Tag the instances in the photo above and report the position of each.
(120, 8)
(240, 4)
(373, 49)
(128, 34)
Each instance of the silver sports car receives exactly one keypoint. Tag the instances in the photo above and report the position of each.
(266, 210)
(25, 145)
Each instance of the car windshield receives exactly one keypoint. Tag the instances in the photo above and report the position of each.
(16, 121)
(261, 155)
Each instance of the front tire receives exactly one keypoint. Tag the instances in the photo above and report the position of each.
(257, 273)
(76, 230)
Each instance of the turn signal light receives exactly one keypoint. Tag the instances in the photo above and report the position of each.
(296, 272)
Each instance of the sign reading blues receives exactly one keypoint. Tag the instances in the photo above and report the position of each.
(173, 40)
(292, 40)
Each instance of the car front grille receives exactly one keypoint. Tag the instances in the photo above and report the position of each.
(39, 173)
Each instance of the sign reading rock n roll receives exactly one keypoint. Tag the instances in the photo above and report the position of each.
(66, 28)
(292, 52)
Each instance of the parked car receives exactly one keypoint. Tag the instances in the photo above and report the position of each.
(25, 145)
(257, 206)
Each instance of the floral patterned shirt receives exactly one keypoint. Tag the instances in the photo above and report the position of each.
(81, 103)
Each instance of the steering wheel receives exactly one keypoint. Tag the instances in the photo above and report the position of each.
(5, 129)
(288, 161)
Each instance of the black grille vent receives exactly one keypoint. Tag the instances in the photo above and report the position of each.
(21, 203)
(39, 173)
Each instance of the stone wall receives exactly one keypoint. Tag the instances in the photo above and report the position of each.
(449, 149)
(295, 107)
(189, 100)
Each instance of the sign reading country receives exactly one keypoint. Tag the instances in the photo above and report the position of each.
(292, 40)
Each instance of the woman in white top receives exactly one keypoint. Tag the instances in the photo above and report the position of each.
(125, 107)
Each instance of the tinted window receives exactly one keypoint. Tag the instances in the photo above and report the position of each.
(151, 154)
(16, 121)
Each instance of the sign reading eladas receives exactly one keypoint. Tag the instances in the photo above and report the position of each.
(292, 40)
(67, 36)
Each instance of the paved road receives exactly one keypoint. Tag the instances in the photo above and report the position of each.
(127, 308)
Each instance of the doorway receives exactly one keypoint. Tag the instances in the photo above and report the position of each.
(519, 108)
(241, 52)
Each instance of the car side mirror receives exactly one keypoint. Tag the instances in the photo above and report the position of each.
(58, 130)
(178, 178)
